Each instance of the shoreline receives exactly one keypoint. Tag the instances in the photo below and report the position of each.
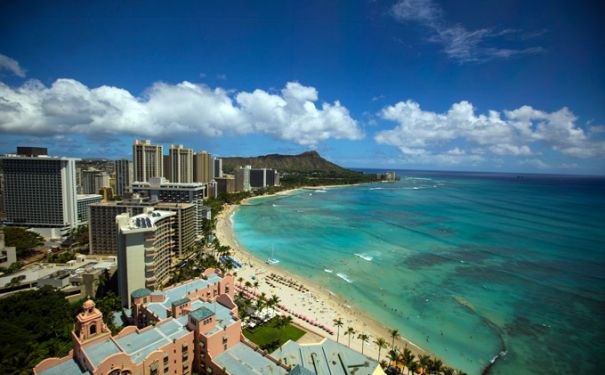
(320, 303)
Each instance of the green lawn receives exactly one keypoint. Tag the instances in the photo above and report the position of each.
(270, 336)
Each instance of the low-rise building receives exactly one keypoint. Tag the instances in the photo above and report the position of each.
(191, 327)
(77, 278)
(334, 358)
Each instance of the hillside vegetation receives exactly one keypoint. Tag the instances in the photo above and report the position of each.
(307, 162)
(306, 169)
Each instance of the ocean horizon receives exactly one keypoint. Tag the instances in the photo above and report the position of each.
(473, 267)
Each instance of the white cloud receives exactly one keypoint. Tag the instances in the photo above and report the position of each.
(416, 10)
(536, 163)
(422, 132)
(70, 107)
(6, 63)
(594, 129)
(458, 42)
(506, 149)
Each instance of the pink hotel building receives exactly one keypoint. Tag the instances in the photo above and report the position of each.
(191, 327)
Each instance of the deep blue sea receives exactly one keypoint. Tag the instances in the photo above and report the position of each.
(465, 265)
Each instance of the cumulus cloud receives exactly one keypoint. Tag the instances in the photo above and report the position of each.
(70, 107)
(512, 133)
(459, 43)
(6, 63)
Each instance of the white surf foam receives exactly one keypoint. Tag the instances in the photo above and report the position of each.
(328, 270)
(364, 257)
(344, 277)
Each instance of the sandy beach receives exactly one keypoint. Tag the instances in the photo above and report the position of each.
(319, 303)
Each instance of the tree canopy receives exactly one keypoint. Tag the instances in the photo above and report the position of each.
(22, 239)
(34, 325)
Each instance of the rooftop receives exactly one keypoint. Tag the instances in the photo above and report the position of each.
(69, 367)
(139, 345)
(160, 309)
(101, 350)
(201, 313)
(180, 301)
(145, 220)
(143, 292)
(325, 358)
(83, 197)
(241, 359)
(223, 314)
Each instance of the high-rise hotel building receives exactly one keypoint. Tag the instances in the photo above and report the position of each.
(218, 167)
(40, 191)
(93, 180)
(147, 160)
(124, 176)
(181, 164)
(162, 190)
(242, 178)
(203, 167)
(145, 246)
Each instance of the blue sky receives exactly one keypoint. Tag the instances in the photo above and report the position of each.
(426, 84)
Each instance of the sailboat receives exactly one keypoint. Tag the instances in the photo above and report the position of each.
(272, 260)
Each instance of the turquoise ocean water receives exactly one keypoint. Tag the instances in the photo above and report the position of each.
(465, 265)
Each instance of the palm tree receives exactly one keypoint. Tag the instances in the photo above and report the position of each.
(437, 366)
(364, 338)
(407, 355)
(448, 371)
(424, 361)
(338, 323)
(240, 280)
(394, 334)
(381, 343)
(350, 331)
(275, 300)
(261, 303)
(248, 284)
(460, 372)
(412, 367)
(256, 285)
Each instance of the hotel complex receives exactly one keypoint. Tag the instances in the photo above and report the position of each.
(40, 191)
(191, 327)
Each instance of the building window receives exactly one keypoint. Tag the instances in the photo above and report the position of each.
(93, 329)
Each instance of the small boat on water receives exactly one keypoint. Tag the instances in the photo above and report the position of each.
(272, 260)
